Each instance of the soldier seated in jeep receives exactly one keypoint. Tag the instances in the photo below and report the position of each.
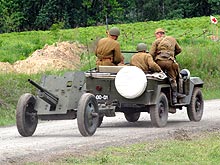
(108, 50)
(144, 60)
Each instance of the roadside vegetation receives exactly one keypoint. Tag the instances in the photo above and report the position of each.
(201, 55)
(181, 150)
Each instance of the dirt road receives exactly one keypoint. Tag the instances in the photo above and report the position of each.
(55, 138)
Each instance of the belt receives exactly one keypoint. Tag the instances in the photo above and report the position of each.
(105, 58)
(164, 55)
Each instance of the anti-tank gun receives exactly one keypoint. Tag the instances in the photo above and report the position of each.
(57, 98)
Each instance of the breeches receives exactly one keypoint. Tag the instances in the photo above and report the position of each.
(105, 62)
(170, 67)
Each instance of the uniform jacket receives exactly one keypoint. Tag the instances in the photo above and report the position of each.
(108, 48)
(165, 48)
(145, 62)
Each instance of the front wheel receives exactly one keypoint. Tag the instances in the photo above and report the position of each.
(87, 114)
(132, 117)
(159, 112)
(195, 108)
(26, 116)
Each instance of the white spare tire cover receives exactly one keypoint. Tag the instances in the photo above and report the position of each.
(130, 82)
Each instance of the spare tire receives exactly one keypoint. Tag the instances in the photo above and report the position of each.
(130, 82)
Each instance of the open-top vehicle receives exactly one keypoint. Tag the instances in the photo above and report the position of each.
(129, 90)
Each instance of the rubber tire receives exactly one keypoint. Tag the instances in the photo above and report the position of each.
(132, 117)
(159, 112)
(87, 123)
(26, 116)
(195, 108)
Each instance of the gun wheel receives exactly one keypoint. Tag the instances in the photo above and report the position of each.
(87, 114)
(26, 116)
(159, 112)
(195, 108)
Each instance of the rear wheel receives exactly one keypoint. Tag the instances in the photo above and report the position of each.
(195, 108)
(26, 116)
(132, 117)
(159, 112)
(87, 114)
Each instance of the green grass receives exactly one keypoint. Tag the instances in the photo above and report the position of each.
(200, 55)
(15, 46)
(12, 87)
(199, 150)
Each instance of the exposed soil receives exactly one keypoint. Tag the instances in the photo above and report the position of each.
(59, 56)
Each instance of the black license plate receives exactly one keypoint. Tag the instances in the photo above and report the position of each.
(102, 97)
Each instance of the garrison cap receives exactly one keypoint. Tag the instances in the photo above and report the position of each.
(159, 30)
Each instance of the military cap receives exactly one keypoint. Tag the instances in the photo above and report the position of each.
(159, 30)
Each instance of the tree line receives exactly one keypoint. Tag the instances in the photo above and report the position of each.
(27, 15)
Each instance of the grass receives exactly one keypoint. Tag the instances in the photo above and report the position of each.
(196, 150)
(12, 87)
(200, 55)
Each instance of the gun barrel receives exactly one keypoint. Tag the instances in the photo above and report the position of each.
(36, 85)
(45, 95)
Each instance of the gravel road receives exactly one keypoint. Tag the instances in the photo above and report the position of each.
(57, 138)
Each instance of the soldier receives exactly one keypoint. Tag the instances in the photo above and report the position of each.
(108, 50)
(144, 60)
(164, 50)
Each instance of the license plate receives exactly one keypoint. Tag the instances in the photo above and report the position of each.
(101, 97)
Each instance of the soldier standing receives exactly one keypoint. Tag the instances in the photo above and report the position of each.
(164, 50)
(144, 60)
(108, 50)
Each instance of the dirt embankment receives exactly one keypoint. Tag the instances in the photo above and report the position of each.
(62, 55)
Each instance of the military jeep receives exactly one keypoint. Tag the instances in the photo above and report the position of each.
(129, 90)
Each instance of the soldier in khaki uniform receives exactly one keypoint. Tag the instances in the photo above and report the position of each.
(144, 60)
(164, 50)
(108, 50)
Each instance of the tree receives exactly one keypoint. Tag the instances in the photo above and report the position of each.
(11, 18)
(21, 15)
(96, 11)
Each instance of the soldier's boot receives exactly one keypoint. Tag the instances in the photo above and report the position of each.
(172, 110)
(174, 91)
(180, 84)
(174, 97)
